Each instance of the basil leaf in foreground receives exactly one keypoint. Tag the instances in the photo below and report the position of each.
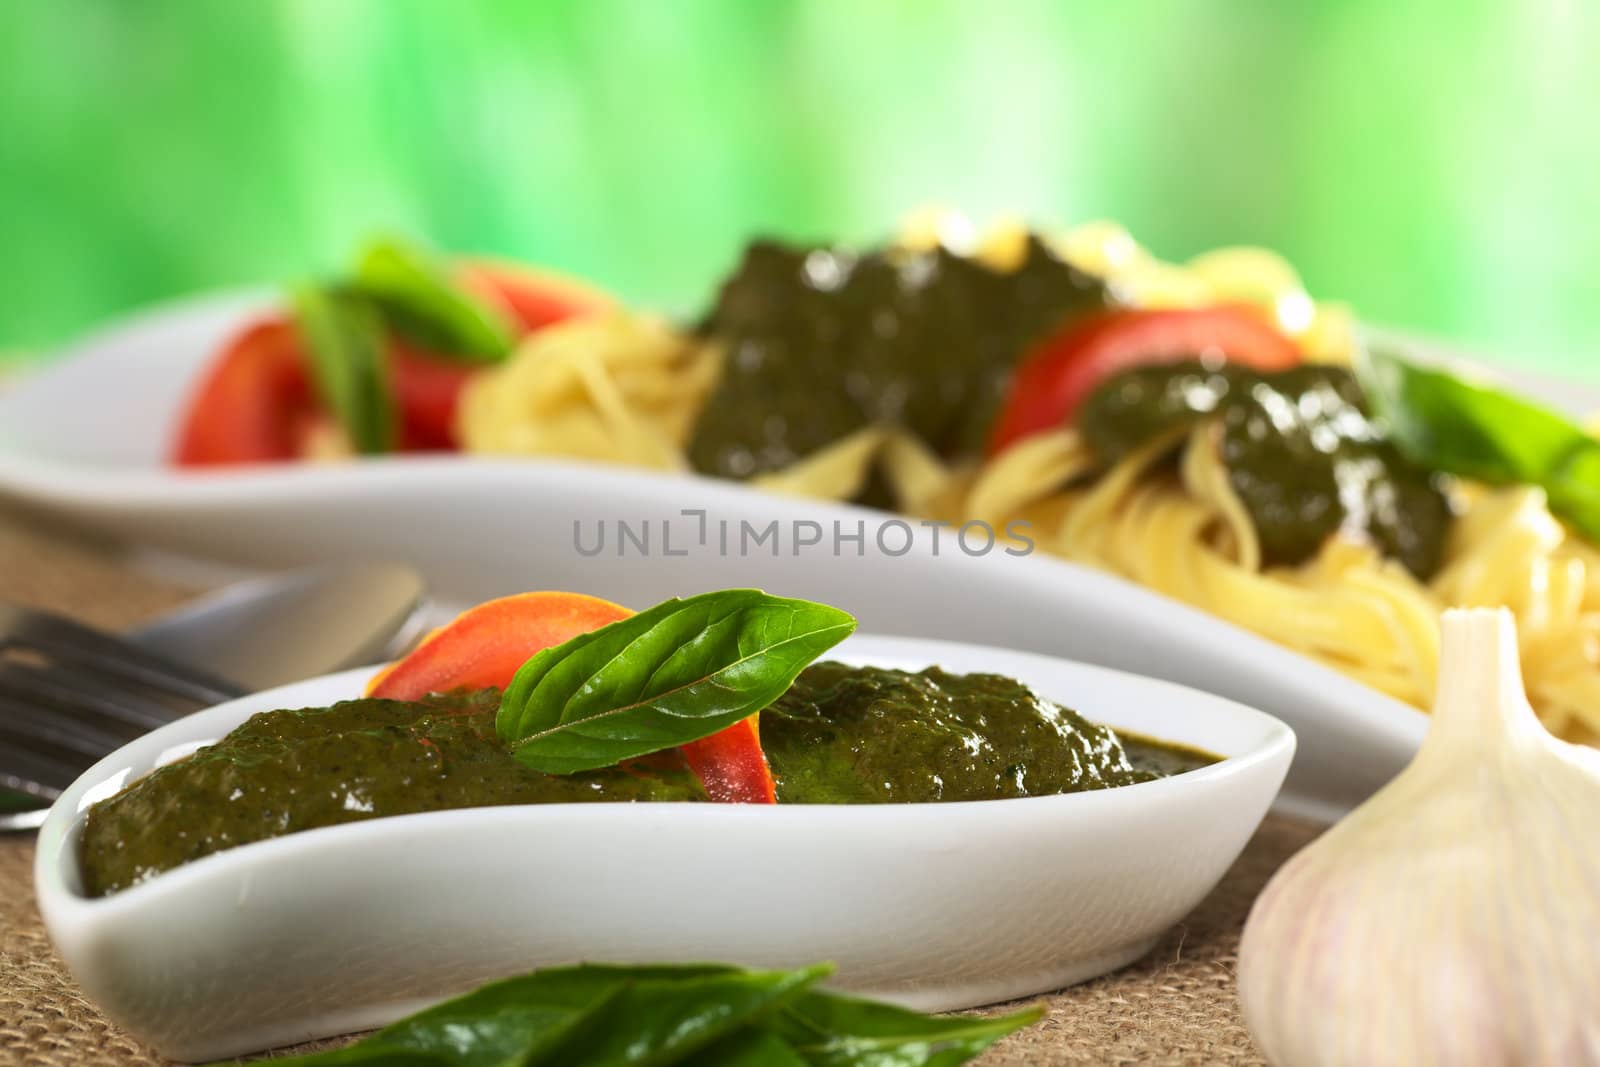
(703, 1014)
(420, 301)
(828, 1030)
(672, 1020)
(344, 346)
(1477, 431)
(678, 672)
(751, 1047)
(593, 1015)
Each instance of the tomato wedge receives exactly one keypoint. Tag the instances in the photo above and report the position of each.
(1060, 373)
(535, 299)
(254, 405)
(427, 390)
(731, 765)
(484, 646)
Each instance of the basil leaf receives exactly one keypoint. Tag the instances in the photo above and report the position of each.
(419, 301)
(594, 1016)
(828, 1030)
(343, 341)
(678, 672)
(1480, 432)
(751, 1047)
(1575, 490)
(706, 1014)
(671, 1021)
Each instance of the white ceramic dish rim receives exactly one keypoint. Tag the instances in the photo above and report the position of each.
(1397, 726)
(58, 879)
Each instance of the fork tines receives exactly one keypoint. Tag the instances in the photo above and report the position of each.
(70, 695)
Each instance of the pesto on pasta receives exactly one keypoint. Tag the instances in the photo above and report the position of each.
(1168, 513)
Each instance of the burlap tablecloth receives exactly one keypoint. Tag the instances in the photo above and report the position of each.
(1176, 1006)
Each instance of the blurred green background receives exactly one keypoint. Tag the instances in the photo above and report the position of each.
(1438, 165)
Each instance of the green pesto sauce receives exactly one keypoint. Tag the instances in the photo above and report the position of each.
(821, 342)
(842, 734)
(862, 735)
(1162, 759)
(283, 771)
(1302, 455)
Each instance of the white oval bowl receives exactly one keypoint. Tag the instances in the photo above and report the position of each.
(935, 906)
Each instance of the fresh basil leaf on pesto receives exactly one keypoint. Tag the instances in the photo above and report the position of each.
(420, 301)
(678, 672)
(343, 340)
(1477, 431)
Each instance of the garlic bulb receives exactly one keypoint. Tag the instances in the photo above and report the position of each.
(1454, 918)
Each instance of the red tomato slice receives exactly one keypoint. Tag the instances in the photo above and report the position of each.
(1059, 373)
(427, 390)
(731, 765)
(535, 299)
(254, 405)
(484, 646)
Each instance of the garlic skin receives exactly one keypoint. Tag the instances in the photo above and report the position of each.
(1454, 918)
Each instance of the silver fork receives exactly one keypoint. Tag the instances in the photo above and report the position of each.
(70, 694)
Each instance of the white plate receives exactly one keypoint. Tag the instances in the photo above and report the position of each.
(936, 906)
(86, 437)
